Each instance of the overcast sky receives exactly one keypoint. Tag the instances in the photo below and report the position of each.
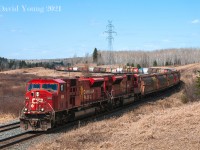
(38, 29)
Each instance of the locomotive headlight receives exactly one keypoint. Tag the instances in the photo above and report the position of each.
(37, 94)
(25, 109)
(42, 109)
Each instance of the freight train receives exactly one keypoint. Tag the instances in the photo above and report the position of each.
(50, 102)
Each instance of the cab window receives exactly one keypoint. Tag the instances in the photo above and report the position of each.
(50, 87)
(33, 86)
(61, 87)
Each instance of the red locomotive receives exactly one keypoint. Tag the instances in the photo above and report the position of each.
(49, 102)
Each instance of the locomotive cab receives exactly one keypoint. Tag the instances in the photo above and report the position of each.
(41, 102)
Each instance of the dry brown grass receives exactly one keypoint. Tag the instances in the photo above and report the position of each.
(12, 90)
(40, 71)
(6, 117)
(188, 76)
(176, 128)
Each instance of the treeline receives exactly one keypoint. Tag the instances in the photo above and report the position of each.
(6, 64)
(165, 57)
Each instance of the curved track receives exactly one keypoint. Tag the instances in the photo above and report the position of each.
(17, 139)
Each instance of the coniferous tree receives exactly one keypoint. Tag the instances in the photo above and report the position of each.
(11, 64)
(155, 63)
(95, 55)
(138, 66)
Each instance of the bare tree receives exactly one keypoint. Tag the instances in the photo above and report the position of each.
(180, 56)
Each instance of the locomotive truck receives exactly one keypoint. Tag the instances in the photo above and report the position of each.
(50, 102)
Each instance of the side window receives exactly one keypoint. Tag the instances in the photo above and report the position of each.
(61, 87)
(128, 78)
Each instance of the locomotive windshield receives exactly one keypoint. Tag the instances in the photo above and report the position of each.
(50, 86)
(33, 86)
(53, 87)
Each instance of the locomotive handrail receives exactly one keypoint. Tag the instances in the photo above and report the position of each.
(50, 106)
(109, 95)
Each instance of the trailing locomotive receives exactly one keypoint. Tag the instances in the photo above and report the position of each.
(49, 102)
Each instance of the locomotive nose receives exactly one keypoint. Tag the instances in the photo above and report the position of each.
(37, 100)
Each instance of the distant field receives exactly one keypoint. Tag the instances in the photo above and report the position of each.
(12, 90)
(39, 71)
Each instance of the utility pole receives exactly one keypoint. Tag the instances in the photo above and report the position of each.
(110, 39)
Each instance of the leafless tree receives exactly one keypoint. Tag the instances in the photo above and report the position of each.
(181, 56)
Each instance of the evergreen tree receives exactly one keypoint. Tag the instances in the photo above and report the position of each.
(95, 55)
(11, 64)
(24, 65)
(132, 65)
(166, 64)
(138, 66)
(155, 63)
(20, 64)
(127, 64)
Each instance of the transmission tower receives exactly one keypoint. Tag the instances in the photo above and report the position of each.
(110, 33)
(110, 39)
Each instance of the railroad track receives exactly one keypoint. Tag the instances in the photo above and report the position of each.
(10, 126)
(25, 136)
(4, 143)
(19, 138)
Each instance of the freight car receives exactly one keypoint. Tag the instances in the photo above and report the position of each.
(49, 102)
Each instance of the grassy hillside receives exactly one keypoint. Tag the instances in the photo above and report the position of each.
(150, 127)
